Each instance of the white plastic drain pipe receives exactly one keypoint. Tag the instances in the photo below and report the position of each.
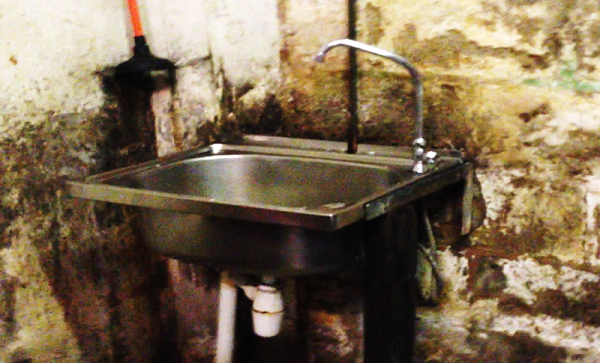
(267, 308)
(226, 320)
(267, 311)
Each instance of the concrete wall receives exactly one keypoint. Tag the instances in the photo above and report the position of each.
(76, 283)
(514, 84)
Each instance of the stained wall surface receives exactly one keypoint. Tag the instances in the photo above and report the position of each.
(76, 283)
(512, 83)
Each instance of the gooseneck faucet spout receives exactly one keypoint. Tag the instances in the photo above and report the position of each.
(419, 142)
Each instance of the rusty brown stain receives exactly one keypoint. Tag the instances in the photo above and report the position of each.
(555, 303)
(513, 305)
(486, 279)
(542, 109)
(518, 347)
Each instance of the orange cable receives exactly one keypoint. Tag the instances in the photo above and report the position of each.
(136, 22)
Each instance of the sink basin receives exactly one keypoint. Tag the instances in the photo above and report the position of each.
(265, 210)
(267, 180)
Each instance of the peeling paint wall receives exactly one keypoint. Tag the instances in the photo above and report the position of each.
(513, 84)
(77, 285)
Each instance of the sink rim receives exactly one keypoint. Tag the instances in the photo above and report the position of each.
(96, 188)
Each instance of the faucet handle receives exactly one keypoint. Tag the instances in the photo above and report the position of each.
(423, 161)
(431, 159)
(419, 155)
(419, 148)
(419, 142)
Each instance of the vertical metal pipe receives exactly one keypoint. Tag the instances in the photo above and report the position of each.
(352, 82)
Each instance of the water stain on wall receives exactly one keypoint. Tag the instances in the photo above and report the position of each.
(453, 49)
(98, 274)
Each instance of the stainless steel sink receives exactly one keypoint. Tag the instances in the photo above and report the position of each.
(267, 180)
(270, 206)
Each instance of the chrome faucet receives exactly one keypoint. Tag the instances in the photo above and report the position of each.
(420, 158)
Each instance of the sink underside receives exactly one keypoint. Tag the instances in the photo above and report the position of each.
(263, 209)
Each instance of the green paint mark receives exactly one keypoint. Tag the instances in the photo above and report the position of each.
(568, 80)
